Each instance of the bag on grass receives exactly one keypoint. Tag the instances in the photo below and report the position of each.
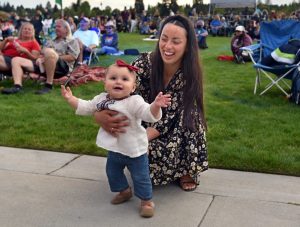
(131, 52)
(295, 91)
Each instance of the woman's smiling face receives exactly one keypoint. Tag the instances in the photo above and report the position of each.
(172, 44)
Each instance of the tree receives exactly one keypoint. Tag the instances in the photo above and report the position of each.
(268, 2)
(139, 6)
(163, 9)
(76, 5)
(85, 8)
(198, 2)
(95, 11)
(107, 10)
(21, 11)
(48, 6)
(7, 7)
(174, 6)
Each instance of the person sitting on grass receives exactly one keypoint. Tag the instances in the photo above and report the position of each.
(109, 40)
(216, 25)
(127, 149)
(57, 59)
(201, 34)
(240, 39)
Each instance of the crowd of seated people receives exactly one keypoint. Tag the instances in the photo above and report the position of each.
(104, 30)
(60, 52)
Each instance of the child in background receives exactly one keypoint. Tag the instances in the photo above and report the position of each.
(125, 149)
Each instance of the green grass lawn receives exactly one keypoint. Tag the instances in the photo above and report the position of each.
(245, 131)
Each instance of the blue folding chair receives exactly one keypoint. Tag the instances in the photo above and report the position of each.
(272, 35)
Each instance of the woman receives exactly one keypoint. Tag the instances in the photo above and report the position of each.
(109, 40)
(177, 143)
(24, 46)
(240, 39)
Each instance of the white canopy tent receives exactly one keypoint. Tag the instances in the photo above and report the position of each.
(233, 3)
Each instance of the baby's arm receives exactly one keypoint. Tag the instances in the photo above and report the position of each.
(67, 94)
(160, 101)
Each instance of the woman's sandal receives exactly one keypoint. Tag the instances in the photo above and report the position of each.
(147, 209)
(122, 197)
(187, 183)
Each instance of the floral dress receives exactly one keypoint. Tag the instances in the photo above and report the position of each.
(177, 151)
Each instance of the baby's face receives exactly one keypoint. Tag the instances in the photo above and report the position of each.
(119, 82)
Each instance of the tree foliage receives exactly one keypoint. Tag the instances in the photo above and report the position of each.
(84, 8)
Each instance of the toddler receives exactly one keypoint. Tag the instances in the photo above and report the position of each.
(127, 149)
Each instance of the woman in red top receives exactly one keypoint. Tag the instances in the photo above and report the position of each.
(24, 46)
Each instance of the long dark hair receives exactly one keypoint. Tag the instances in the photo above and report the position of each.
(192, 73)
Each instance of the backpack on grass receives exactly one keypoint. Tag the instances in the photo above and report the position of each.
(295, 91)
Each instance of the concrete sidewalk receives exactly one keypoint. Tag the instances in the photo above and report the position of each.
(41, 188)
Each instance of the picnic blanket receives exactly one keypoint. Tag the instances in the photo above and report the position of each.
(82, 75)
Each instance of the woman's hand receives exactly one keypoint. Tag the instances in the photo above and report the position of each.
(152, 133)
(9, 39)
(111, 123)
(22, 50)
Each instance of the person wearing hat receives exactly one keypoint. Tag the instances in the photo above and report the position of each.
(240, 39)
(201, 34)
(88, 39)
(109, 40)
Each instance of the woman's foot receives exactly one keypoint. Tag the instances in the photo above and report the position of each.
(122, 197)
(147, 208)
(187, 183)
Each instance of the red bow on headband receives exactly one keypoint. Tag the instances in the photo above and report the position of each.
(121, 63)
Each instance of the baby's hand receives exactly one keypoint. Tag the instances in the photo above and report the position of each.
(66, 92)
(162, 100)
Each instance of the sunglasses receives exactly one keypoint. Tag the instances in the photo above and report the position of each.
(108, 27)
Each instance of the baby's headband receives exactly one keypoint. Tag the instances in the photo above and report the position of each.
(122, 63)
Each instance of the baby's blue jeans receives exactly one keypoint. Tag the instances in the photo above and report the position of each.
(139, 170)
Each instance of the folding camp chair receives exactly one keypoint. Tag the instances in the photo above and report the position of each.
(272, 35)
(93, 58)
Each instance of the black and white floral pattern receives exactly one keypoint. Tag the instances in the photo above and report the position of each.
(177, 151)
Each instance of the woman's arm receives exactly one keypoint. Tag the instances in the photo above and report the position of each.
(152, 133)
(115, 41)
(31, 55)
